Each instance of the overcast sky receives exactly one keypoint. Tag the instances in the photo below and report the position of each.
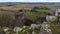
(29, 0)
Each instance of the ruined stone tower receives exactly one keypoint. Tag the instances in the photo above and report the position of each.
(20, 18)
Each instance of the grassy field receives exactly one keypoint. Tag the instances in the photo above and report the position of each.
(30, 15)
(26, 6)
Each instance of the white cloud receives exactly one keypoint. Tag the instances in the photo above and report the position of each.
(29, 0)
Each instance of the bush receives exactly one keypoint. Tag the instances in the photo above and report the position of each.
(6, 19)
(55, 28)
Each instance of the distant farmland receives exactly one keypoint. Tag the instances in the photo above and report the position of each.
(26, 6)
